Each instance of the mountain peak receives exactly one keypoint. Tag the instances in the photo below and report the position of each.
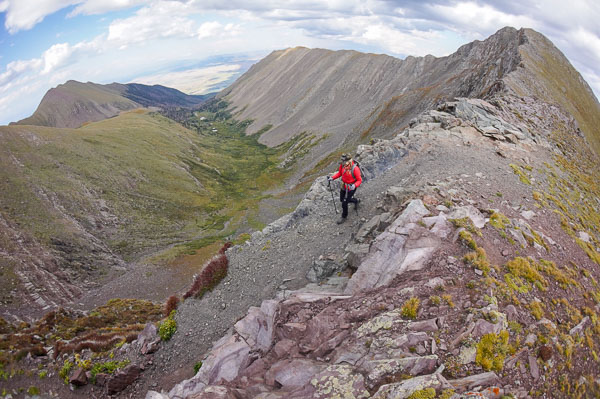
(74, 103)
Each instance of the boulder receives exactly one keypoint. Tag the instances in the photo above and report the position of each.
(424, 325)
(285, 348)
(227, 358)
(478, 380)
(148, 334)
(355, 253)
(533, 367)
(122, 379)
(378, 371)
(322, 268)
(578, 329)
(257, 327)
(292, 374)
(156, 395)
(403, 246)
(336, 381)
(367, 228)
(468, 211)
(214, 392)
(79, 378)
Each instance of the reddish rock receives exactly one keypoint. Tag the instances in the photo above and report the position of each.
(123, 379)
(292, 331)
(101, 379)
(148, 334)
(150, 347)
(424, 325)
(328, 346)
(430, 200)
(214, 392)
(292, 374)
(285, 348)
(545, 352)
(79, 378)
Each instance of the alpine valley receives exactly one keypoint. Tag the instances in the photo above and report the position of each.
(160, 245)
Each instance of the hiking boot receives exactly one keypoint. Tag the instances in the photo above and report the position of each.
(356, 204)
(341, 220)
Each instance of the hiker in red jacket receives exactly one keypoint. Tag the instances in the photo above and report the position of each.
(351, 179)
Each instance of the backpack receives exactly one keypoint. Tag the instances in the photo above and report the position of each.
(356, 164)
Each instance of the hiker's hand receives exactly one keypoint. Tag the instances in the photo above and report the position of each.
(351, 187)
(329, 178)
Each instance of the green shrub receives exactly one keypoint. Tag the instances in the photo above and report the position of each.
(491, 351)
(410, 308)
(65, 371)
(167, 328)
(197, 367)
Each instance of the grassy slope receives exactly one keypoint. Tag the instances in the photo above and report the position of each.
(59, 103)
(163, 183)
(556, 81)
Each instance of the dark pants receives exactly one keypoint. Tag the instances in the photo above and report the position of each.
(345, 197)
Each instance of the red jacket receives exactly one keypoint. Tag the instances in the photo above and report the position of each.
(347, 177)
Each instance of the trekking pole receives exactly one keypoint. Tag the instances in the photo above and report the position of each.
(332, 199)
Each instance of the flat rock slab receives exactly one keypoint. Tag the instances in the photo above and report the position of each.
(404, 389)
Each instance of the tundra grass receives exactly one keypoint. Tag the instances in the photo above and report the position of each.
(140, 182)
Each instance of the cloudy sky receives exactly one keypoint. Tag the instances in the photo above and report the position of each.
(182, 43)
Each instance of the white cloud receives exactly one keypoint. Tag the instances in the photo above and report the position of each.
(24, 14)
(162, 19)
(91, 7)
(478, 21)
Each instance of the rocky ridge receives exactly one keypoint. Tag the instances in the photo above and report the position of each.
(446, 280)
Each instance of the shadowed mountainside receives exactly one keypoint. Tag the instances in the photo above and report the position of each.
(74, 103)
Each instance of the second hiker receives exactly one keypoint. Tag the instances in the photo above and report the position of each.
(351, 179)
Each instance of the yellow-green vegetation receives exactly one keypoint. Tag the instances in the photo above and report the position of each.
(478, 260)
(410, 308)
(537, 309)
(435, 300)
(84, 364)
(557, 82)
(107, 367)
(197, 367)
(66, 370)
(43, 374)
(515, 327)
(492, 350)
(446, 394)
(33, 390)
(499, 221)
(448, 299)
(467, 239)
(519, 172)
(467, 224)
(167, 327)
(427, 393)
(525, 268)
